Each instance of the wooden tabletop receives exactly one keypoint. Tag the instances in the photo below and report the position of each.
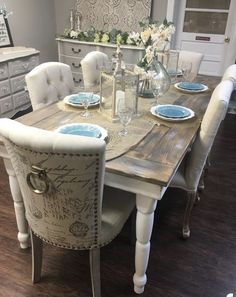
(156, 158)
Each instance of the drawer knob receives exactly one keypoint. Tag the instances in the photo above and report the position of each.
(76, 51)
(76, 66)
(77, 80)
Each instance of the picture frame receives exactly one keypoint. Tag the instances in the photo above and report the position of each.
(5, 34)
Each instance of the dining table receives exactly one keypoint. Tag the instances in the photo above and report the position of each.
(143, 163)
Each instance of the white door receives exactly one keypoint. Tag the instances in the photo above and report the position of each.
(205, 26)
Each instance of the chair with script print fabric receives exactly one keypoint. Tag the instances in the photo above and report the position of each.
(61, 178)
(190, 170)
(49, 82)
(91, 66)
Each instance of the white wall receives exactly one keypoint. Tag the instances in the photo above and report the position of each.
(33, 24)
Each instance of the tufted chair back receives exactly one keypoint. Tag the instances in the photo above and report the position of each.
(61, 180)
(91, 65)
(49, 82)
(230, 74)
(193, 57)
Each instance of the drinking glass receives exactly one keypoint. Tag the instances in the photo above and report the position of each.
(85, 102)
(158, 87)
(125, 113)
(186, 68)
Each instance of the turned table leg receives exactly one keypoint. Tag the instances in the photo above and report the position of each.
(22, 225)
(144, 223)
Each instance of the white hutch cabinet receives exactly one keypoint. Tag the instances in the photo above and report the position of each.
(72, 51)
(15, 62)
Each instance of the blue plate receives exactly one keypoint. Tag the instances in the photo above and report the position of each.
(172, 111)
(191, 86)
(81, 96)
(81, 129)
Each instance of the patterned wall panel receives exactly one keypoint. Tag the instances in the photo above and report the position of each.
(108, 14)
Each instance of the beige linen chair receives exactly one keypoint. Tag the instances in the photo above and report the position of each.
(91, 65)
(190, 171)
(191, 57)
(61, 179)
(230, 74)
(48, 83)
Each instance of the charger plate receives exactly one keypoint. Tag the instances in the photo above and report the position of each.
(171, 112)
(83, 129)
(76, 100)
(191, 87)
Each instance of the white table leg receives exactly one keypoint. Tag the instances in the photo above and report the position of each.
(144, 223)
(22, 225)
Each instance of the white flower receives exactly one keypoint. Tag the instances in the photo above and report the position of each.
(149, 53)
(145, 35)
(105, 38)
(134, 38)
(74, 34)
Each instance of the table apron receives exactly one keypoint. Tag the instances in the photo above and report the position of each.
(134, 185)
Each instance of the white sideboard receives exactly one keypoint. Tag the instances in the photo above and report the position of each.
(72, 51)
(15, 62)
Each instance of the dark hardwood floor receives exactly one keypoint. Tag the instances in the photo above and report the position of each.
(203, 265)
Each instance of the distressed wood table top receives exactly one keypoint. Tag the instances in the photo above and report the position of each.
(157, 156)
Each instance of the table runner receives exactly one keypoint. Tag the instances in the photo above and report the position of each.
(116, 145)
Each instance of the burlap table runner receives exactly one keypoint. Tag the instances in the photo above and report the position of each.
(116, 145)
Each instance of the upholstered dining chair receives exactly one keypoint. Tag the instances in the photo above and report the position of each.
(230, 74)
(91, 65)
(194, 58)
(190, 170)
(61, 178)
(49, 82)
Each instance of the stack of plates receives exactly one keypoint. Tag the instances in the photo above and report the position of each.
(78, 99)
(172, 112)
(191, 87)
(83, 129)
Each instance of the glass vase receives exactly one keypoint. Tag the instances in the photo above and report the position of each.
(157, 71)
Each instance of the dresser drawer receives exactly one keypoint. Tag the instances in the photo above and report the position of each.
(22, 65)
(3, 71)
(18, 83)
(4, 88)
(78, 79)
(73, 62)
(76, 50)
(6, 104)
(20, 98)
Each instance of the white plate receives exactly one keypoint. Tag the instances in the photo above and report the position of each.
(76, 100)
(83, 129)
(173, 72)
(205, 88)
(154, 111)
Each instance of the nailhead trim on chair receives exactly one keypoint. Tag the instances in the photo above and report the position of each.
(95, 240)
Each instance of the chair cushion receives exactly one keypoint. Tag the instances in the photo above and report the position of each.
(116, 209)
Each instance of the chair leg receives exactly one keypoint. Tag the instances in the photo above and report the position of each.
(94, 258)
(37, 253)
(191, 200)
(201, 185)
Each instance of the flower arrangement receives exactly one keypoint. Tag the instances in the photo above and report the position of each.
(153, 37)
(151, 34)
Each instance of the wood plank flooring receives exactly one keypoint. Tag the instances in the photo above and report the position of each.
(203, 265)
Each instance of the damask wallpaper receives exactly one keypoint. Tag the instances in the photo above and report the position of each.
(108, 14)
